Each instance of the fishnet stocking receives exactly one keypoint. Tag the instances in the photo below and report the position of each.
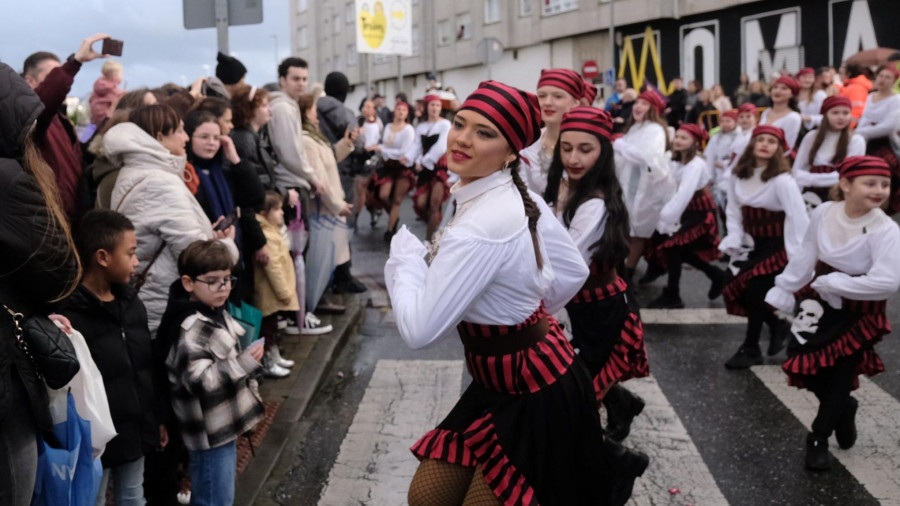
(438, 483)
(480, 494)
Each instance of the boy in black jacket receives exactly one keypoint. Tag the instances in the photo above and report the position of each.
(114, 322)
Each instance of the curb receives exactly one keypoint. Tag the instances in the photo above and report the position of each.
(251, 482)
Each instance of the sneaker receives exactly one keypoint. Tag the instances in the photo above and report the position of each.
(291, 329)
(845, 430)
(282, 323)
(744, 358)
(314, 326)
(666, 301)
(652, 274)
(352, 285)
(184, 497)
(279, 360)
(817, 453)
(778, 338)
(717, 285)
(271, 368)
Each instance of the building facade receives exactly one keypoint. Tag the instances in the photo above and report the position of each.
(714, 41)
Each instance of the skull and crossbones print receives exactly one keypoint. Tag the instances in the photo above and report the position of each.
(807, 319)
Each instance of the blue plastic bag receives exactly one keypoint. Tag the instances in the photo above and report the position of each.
(67, 473)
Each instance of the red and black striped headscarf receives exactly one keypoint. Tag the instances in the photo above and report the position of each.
(514, 112)
(835, 101)
(774, 131)
(590, 93)
(431, 98)
(791, 83)
(733, 114)
(855, 166)
(806, 71)
(564, 79)
(587, 119)
(695, 131)
(747, 107)
(653, 99)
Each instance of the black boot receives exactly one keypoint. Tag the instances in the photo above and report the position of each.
(652, 274)
(845, 431)
(778, 337)
(629, 464)
(717, 285)
(817, 453)
(668, 300)
(621, 408)
(344, 282)
(745, 357)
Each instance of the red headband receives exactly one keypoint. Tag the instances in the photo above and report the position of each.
(733, 114)
(514, 112)
(835, 101)
(587, 119)
(855, 166)
(774, 131)
(401, 103)
(564, 79)
(654, 99)
(431, 98)
(791, 83)
(695, 131)
(893, 70)
(806, 71)
(748, 107)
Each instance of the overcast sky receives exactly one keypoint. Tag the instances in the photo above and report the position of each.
(157, 47)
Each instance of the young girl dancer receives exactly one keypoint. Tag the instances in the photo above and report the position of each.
(809, 100)
(819, 154)
(850, 253)
(428, 158)
(586, 197)
(687, 231)
(392, 182)
(643, 171)
(558, 91)
(526, 430)
(765, 203)
(878, 125)
(783, 113)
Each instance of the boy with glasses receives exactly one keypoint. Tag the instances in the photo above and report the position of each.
(214, 398)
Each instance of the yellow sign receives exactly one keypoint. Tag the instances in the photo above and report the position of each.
(373, 26)
(383, 27)
(638, 74)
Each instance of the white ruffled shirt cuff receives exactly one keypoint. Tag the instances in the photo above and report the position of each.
(780, 299)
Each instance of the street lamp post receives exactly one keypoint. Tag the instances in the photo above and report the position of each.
(275, 44)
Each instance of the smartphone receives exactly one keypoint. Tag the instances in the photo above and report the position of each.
(112, 47)
(227, 222)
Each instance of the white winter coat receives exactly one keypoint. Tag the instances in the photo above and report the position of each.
(150, 191)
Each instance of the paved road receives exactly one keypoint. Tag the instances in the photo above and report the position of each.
(715, 437)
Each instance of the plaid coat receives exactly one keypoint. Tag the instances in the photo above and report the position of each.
(213, 396)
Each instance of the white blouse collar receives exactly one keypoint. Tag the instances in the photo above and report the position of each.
(463, 193)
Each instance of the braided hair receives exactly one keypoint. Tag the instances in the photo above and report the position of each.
(532, 211)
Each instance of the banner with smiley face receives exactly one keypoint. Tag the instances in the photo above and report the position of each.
(384, 27)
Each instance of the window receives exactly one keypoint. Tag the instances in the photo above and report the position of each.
(302, 38)
(336, 23)
(491, 11)
(302, 5)
(350, 15)
(445, 32)
(525, 8)
(352, 55)
(552, 7)
(464, 26)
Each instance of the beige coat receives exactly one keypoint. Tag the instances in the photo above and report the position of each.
(276, 280)
(321, 158)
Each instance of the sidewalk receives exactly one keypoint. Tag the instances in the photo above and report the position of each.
(286, 399)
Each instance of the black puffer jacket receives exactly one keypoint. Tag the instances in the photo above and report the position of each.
(334, 119)
(37, 263)
(121, 347)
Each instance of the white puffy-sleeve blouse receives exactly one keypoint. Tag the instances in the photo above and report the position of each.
(587, 226)
(856, 147)
(691, 177)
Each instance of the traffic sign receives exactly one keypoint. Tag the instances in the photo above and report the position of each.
(202, 13)
(609, 76)
(590, 69)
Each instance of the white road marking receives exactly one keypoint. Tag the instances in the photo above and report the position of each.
(404, 400)
(674, 459)
(698, 316)
(875, 459)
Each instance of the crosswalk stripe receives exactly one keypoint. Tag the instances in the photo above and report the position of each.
(875, 458)
(694, 316)
(675, 462)
(404, 399)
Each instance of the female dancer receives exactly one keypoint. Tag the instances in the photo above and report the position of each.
(818, 156)
(643, 171)
(851, 252)
(558, 91)
(765, 203)
(428, 158)
(879, 123)
(392, 182)
(526, 430)
(687, 231)
(810, 99)
(718, 154)
(783, 113)
(606, 323)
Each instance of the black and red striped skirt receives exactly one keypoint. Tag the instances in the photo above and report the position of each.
(390, 172)
(698, 230)
(768, 258)
(609, 335)
(882, 149)
(823, 192)
(529, 418)
(425, 181)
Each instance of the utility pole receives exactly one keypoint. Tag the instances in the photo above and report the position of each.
(222, 25)
(399, 75)
(612, 36)
(275, 40)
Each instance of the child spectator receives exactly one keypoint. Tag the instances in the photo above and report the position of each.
(114, 323)
(213, 396)
(106, 92)
(275, 287)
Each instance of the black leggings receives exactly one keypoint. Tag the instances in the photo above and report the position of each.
(832, 386)
(758, 312)
(677, 255)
